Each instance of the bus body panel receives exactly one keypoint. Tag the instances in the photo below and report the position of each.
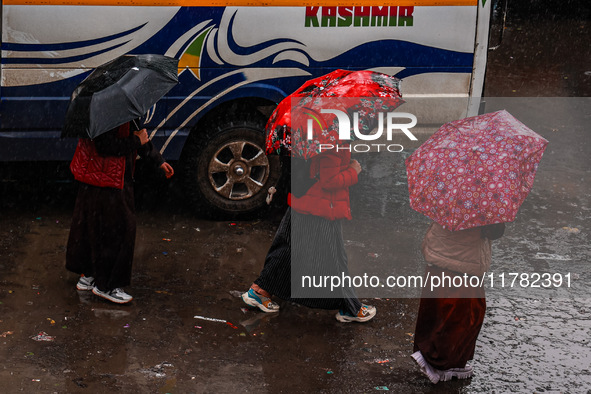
(225, 54)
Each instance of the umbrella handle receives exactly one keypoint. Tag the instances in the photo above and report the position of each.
(137, 127)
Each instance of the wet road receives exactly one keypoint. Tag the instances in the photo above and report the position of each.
(533, 340)
(155, 344)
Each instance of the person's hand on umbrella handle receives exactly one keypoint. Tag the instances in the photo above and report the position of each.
(168, 170)
(142, 135)
(355, 165)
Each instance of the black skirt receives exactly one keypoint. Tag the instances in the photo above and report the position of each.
(316, 248)
(102, 235)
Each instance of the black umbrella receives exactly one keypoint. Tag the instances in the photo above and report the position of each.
(117, 92)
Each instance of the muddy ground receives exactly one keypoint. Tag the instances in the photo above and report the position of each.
(183, 267)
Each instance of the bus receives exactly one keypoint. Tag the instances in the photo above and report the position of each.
(237, 60)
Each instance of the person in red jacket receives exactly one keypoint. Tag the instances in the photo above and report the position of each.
(102, 234)
(316, 246)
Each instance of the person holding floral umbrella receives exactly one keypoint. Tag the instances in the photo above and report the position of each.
(470, 178)
(309, 240)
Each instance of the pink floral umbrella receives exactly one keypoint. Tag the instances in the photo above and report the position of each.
(474, 171)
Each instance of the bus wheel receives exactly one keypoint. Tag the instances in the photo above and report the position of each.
(228, 173)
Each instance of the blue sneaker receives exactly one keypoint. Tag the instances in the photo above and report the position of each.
(252, 298)
(366, 312)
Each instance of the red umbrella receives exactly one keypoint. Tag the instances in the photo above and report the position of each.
(474, 171)
(369, 92)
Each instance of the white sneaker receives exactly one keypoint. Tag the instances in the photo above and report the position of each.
(430, 372)
(435, 375)
(458, 373)
(116, 295)
(85, 283)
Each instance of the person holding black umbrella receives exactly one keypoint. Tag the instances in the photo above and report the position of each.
(102, 235)
(101, 113)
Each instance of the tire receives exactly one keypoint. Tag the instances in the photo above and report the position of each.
(226, 173)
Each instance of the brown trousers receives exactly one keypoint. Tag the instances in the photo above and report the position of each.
(448, 323)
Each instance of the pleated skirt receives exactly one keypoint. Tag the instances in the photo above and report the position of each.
(315, 246)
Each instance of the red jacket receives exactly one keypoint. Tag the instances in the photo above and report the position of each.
(329, 197)
(88, 166)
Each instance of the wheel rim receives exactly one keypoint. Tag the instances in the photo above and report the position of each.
(238, 170)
